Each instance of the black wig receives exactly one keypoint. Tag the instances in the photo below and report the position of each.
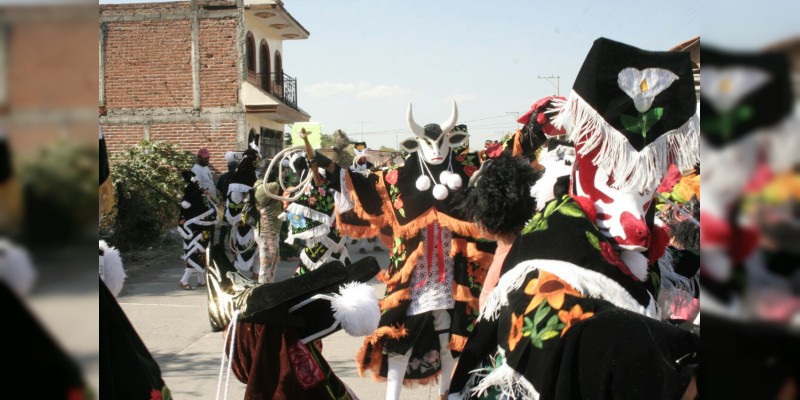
(499, 199)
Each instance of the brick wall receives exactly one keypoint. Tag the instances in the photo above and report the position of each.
(149, 83)
(217, 137)
(218, 62)
(118, 137)
(50, 64)
(148, 64)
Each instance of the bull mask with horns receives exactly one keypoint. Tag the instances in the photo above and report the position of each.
(434, 143)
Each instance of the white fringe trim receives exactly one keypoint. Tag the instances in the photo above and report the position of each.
(587, 282)
(509, 282)
(632, 170)
(311, 236)
(510, 382)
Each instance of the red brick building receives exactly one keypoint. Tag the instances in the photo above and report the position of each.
(201, 73)
(48, 88)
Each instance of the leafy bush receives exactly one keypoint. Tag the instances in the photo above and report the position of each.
(149, 187)
(60, 194)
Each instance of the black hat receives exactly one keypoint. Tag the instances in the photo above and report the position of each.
(638, 108)
(303, 302)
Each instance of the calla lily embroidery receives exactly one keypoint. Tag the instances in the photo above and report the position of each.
(724, 90)
(643, 87)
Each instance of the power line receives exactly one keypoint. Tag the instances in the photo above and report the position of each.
(558, 82)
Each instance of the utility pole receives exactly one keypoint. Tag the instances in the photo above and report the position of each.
(558, 82)
(362, 129)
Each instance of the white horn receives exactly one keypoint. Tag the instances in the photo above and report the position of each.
(418, 130)
(450, 123)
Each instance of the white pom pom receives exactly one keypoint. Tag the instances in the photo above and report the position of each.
(440, 192)
(423, 183)
(356, 308)
(454, 181)
(112, 273)
(444, 176)
(186, 204)
(16, 268)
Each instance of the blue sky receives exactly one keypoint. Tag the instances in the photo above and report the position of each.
(365, 60)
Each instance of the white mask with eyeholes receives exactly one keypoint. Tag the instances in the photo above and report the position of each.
(434, 143)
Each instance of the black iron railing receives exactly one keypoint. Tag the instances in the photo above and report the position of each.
(279, 85)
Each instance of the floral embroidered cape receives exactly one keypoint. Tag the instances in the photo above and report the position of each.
(560, 273)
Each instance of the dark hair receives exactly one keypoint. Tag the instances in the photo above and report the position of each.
(500, 199)
(187, 176)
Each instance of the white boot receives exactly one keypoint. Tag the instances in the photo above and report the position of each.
(397, 372)
(441, 323)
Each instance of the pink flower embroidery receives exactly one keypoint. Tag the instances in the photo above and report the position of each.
(391, 177)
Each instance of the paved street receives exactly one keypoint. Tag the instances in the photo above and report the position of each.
(174, 325)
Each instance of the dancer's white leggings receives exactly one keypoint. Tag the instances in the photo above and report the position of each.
(399, 362)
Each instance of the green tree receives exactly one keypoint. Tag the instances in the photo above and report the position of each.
(60, 196)
(149, 188)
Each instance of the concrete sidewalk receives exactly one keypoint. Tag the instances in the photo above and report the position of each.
(174, 325)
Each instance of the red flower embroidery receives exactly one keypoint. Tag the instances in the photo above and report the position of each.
(155, 394)
(460, 158)
(470, 169)
(541, 118)
(391, 177)
(613, 258)
(398, 204)
(308, 373)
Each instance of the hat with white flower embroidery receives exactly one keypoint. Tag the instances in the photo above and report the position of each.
(637, 108)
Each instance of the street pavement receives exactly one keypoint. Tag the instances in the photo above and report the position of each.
(174, 325)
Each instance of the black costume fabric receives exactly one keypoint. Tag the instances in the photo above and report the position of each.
(312, 222)
(200, 216)
(637, 108)
(420, 232)
(566, 318)
(5, 161)
(240, 186)
(127, 369)
(269, 354)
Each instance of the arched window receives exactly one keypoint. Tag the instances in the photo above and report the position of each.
(264, 67)
(278, 74)
(250, 52)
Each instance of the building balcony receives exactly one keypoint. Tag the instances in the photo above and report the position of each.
(272, 96)
(281, 86)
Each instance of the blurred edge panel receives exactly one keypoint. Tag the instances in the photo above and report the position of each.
(48, 96)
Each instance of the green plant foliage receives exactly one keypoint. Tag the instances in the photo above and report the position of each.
(149, 187)
(61, 189)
